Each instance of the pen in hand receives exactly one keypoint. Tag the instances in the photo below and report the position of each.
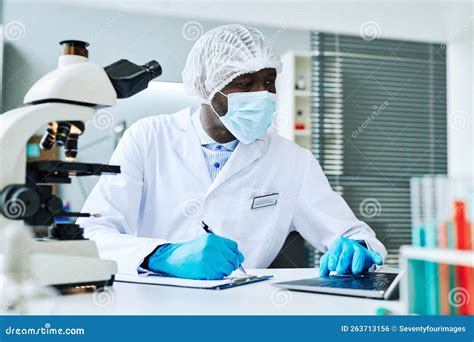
(208, 230)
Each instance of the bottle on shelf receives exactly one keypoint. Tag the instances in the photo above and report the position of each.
(299, 122)
(300, 83)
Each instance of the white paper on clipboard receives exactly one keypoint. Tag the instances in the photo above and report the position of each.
(156, 279)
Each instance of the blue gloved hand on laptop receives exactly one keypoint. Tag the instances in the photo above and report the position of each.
(348, 256)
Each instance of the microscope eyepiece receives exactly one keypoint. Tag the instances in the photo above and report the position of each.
(154, 68)
(129, 78)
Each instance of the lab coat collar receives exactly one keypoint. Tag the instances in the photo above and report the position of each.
(204, 138)
(188, 145)
(243, 156)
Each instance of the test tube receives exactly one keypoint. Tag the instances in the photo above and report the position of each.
(416, 210)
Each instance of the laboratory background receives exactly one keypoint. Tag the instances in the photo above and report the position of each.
(380, 92)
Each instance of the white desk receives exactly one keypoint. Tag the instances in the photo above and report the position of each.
(255, 299)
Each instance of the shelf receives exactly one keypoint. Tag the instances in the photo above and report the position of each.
(303, 93)
(306, 54)
(302, 132)
(296, 65)
(442, 255)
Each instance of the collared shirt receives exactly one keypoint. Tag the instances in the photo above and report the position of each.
(215, 154)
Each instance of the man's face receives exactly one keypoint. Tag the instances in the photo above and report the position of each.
(256, 81)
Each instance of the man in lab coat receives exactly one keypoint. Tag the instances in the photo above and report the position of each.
(219, 165)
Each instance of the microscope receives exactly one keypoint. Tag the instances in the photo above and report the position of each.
(64, 100)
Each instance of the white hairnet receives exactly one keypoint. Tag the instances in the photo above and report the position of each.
(224, 53)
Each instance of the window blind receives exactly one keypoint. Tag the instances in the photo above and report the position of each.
(378, 118)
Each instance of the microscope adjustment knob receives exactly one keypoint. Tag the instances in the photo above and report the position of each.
(66, 231)
(18, 202)
(54, 205)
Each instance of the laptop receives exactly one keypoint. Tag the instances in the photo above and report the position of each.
(379, 285)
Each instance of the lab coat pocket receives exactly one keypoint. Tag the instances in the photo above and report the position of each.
(258, 214)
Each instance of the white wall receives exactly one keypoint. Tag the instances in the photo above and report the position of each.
(140, 31)
(425, 20)
(113, 34)
(32, 49)
(460, 97)
(420, 20)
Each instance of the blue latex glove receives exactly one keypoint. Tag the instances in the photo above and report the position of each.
(207, 257)
(348, 256)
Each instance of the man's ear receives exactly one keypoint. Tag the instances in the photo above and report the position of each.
(219, 102)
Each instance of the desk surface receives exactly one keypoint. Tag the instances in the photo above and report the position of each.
(255, 299)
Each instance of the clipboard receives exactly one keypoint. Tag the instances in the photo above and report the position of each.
(163, 280)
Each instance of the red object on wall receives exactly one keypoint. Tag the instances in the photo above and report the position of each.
(299, 126)
(465, 273)
(444, 286)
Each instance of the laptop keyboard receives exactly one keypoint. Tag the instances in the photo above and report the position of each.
(375, 281)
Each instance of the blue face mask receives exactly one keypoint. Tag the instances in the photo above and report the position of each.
(249, 114)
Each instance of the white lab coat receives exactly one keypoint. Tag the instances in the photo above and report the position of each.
(164, 192)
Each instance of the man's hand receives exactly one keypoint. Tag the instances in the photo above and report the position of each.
(207, 257)
(348, 256)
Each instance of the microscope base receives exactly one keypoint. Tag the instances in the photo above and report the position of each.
(69, 272)
(72, 271)
(69, 264)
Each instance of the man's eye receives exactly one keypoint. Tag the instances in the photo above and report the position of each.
(245, 84)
